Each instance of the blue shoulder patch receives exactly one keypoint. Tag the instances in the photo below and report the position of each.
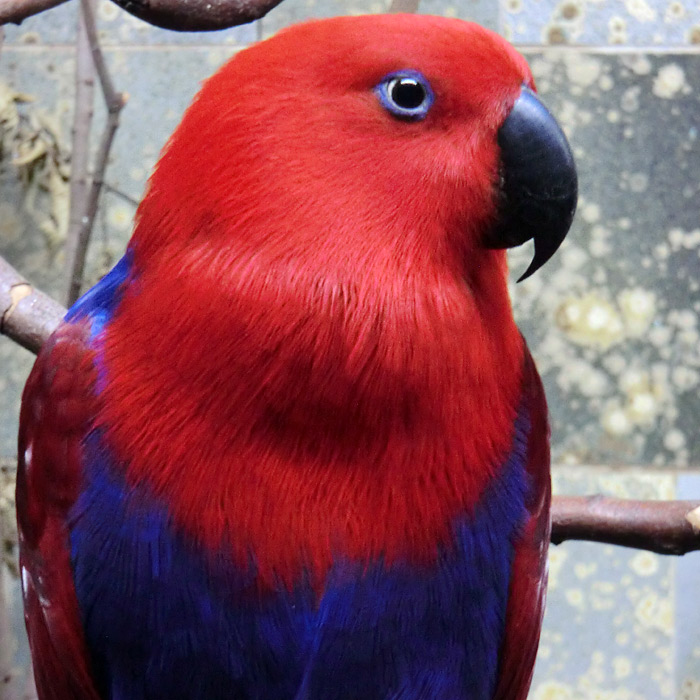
(99, 302)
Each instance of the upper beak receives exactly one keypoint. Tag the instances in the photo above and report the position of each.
(539, 186)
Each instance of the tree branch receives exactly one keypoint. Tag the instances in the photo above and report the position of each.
(82, 123)
(27, 315)
(198, 15)
(114, 102)
(15, 11)
(191, 16)
(665, 527)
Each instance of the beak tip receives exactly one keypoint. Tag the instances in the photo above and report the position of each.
(540, 182)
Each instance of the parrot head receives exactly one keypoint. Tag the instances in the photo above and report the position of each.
(387, 134)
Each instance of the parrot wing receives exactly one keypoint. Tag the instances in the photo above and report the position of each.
(57, 407)
(55, 410)
(528, 585)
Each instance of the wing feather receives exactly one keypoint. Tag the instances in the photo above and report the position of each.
(57, 404)
(528, 585)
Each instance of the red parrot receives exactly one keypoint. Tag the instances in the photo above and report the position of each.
(293, 446)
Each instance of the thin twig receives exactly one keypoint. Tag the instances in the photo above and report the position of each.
(114, 102)
(122, 195)
(665, 527)
(113, 99)
(82, 122)
(15, 11)
(93, 201)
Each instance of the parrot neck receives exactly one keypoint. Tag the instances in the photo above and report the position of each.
(359, 415)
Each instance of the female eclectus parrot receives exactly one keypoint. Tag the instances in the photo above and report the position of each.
(293, 446)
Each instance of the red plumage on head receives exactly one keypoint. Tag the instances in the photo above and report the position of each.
(318, 347)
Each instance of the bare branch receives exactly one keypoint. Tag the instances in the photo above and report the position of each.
(192, 16)
(27, 315)
(198, 15)
(82, 122)
(665, 527)
(114, 101)
(15, 11)
(122, 195)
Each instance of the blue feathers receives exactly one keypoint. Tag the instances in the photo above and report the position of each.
(99, 302)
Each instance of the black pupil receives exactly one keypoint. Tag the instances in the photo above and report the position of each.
(407, 93)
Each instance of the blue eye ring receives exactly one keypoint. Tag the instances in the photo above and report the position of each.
(405, 94)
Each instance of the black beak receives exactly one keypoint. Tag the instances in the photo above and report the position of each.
(539, 186)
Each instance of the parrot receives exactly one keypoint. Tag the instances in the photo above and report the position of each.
(293, 445)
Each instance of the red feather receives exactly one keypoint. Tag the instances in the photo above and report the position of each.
(57, 407)
(528, 585)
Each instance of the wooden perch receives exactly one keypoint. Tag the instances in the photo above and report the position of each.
(190, 16)
(665, 527)
(79, 177)
(28, 317)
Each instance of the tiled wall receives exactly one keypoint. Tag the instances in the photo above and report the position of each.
(612, 320)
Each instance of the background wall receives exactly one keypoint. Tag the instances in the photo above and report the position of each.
(612, 320)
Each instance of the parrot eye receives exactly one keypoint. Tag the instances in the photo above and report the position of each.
(407, 95)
